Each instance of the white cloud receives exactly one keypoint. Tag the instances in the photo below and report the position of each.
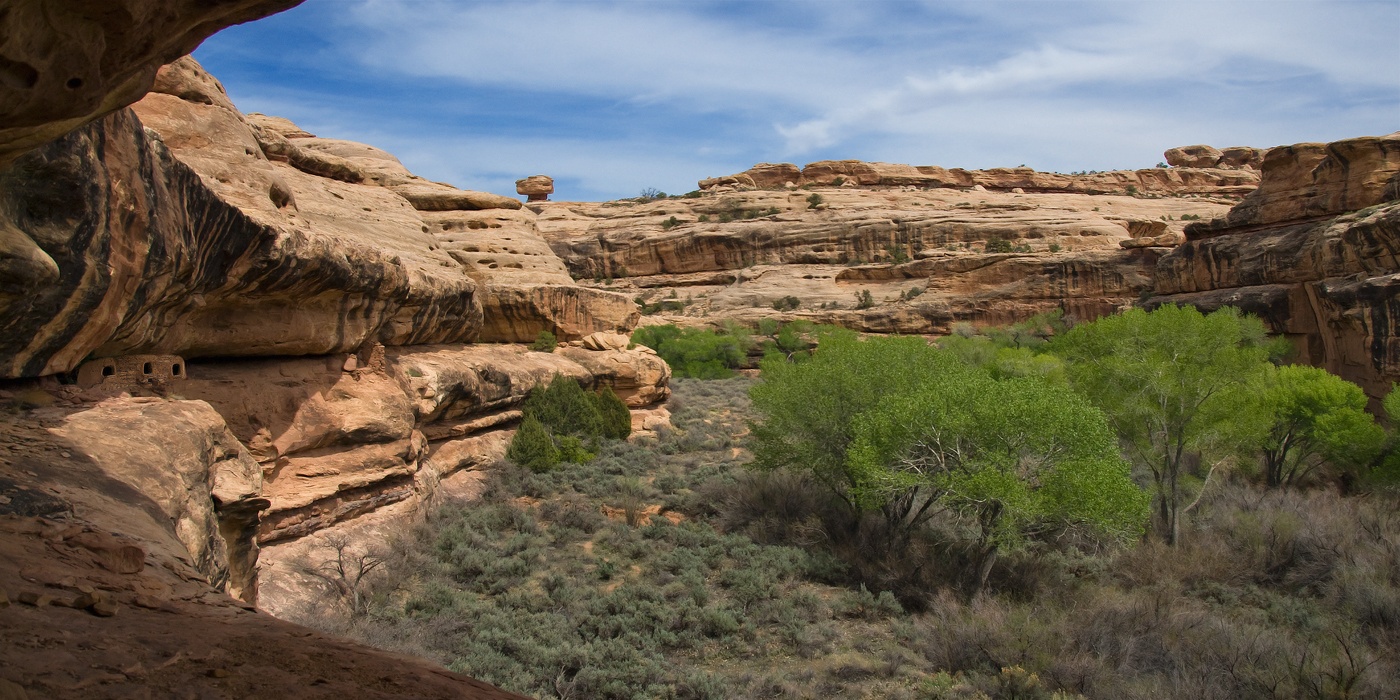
(679, 91)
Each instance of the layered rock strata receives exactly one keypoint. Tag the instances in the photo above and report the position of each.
(181, 229)
(928, 258)
(1314, 252)
(339, 436)
(1201, 179)
(196, 232)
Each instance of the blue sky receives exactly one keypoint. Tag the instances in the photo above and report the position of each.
(612, 97)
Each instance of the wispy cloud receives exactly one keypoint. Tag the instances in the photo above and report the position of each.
(620, 95)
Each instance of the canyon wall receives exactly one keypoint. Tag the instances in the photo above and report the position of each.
(222, 334)
(1303, 236)
(1314, 252)
(929, 256)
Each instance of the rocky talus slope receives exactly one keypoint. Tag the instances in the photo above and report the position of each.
(224, 336)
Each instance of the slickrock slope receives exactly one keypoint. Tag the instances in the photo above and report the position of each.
(68, 62)
(100, 596)
(1315, 252)
(1088, 254)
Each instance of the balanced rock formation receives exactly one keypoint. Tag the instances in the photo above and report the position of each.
(536, 187)
(1314, 252)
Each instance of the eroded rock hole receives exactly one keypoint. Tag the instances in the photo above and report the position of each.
(74, 83)
(17, 74)
(147, 368)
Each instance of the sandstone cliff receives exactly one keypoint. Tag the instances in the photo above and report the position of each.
(334, 296)
(733, 254)
(68, 62)
(1198, 178)
(1313, 252)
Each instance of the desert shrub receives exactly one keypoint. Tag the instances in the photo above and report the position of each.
(864, 299)
(813, 200)
(897, 254)
(532, 447)
(544, 342)
(571, 449)
(565, 408)
(616, 418)
(670, 223)
(997, 245)
(573, 510)
(787, 303)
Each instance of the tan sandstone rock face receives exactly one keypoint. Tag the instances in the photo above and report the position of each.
(337, 438)
(75, 532)
(1194, 179)
(68, 62)
(247, 238)
(1288, 253)
(745, 257)
(1313, 180)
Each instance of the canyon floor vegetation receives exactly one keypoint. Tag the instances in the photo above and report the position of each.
(984, 518)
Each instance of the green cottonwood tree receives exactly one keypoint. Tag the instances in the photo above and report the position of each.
(810, 407)
(1164, 378)
(895, 426)
(1006, 457)
(1298, 418)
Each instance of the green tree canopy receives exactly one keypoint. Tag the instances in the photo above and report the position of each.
(616, 418)
(565, 408)
(893, 425)
(696, 352)
(1163, 379)
(1006, 457)
(1299, 418)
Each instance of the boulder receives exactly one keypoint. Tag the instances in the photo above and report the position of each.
(1201, 156)
(1241, 157)
(430, 196)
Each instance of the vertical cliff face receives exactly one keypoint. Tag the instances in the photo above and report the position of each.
(1315, 252)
